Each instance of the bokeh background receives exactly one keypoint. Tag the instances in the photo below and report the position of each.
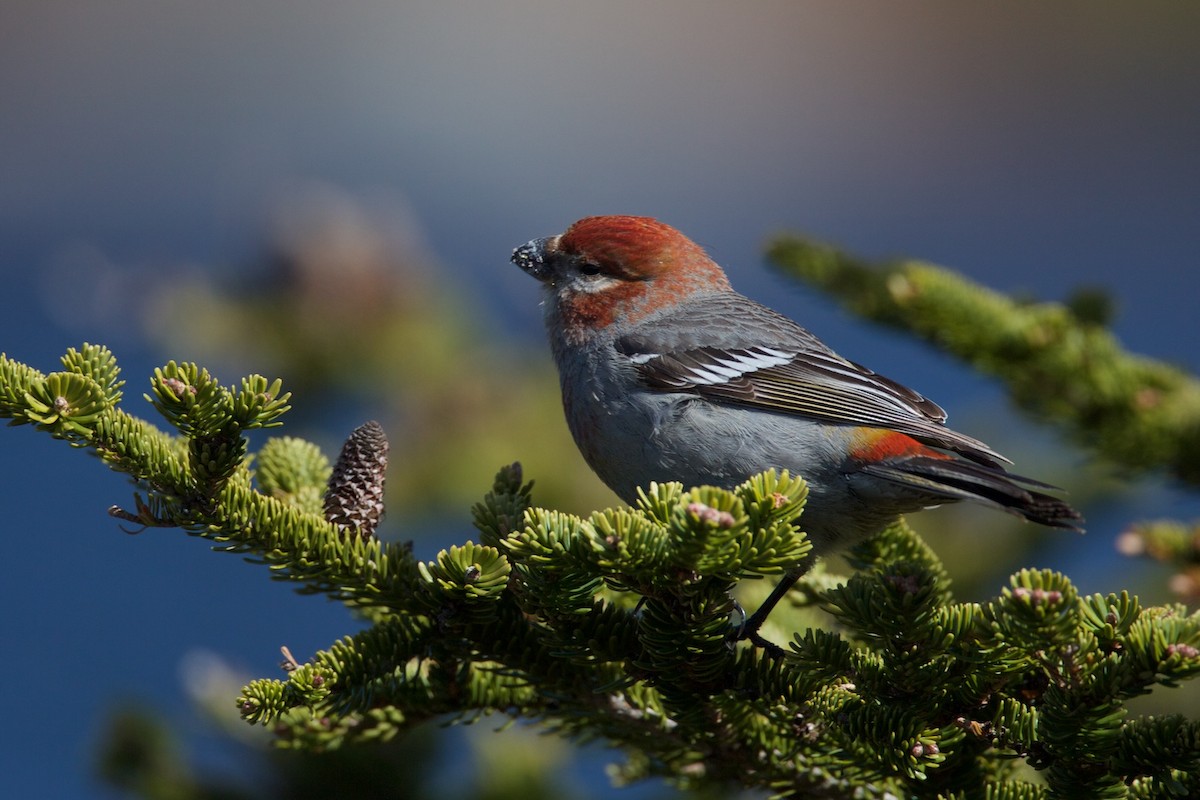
(328, 193)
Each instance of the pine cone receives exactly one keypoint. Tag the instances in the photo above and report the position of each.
(354, 496)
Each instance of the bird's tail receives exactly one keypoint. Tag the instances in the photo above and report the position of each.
(957, 479)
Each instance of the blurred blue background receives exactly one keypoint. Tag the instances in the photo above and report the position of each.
(1036, 148)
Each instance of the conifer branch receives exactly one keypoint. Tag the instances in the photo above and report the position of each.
(618, 624)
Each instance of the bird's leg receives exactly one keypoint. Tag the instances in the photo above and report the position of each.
(749, 627)
(741, 613)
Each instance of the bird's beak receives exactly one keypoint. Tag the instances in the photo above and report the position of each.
(531, 257)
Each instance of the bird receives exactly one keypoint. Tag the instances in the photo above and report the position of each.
(668, 374)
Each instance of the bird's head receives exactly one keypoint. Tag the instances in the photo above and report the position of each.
(616, 270)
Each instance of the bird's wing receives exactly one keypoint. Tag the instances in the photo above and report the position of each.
(794, 374)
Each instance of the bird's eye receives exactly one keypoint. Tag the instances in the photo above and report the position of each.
(589, 268)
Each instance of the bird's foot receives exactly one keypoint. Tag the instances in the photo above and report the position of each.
(747, 630)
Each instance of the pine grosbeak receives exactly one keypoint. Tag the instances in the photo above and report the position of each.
(667, 374)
